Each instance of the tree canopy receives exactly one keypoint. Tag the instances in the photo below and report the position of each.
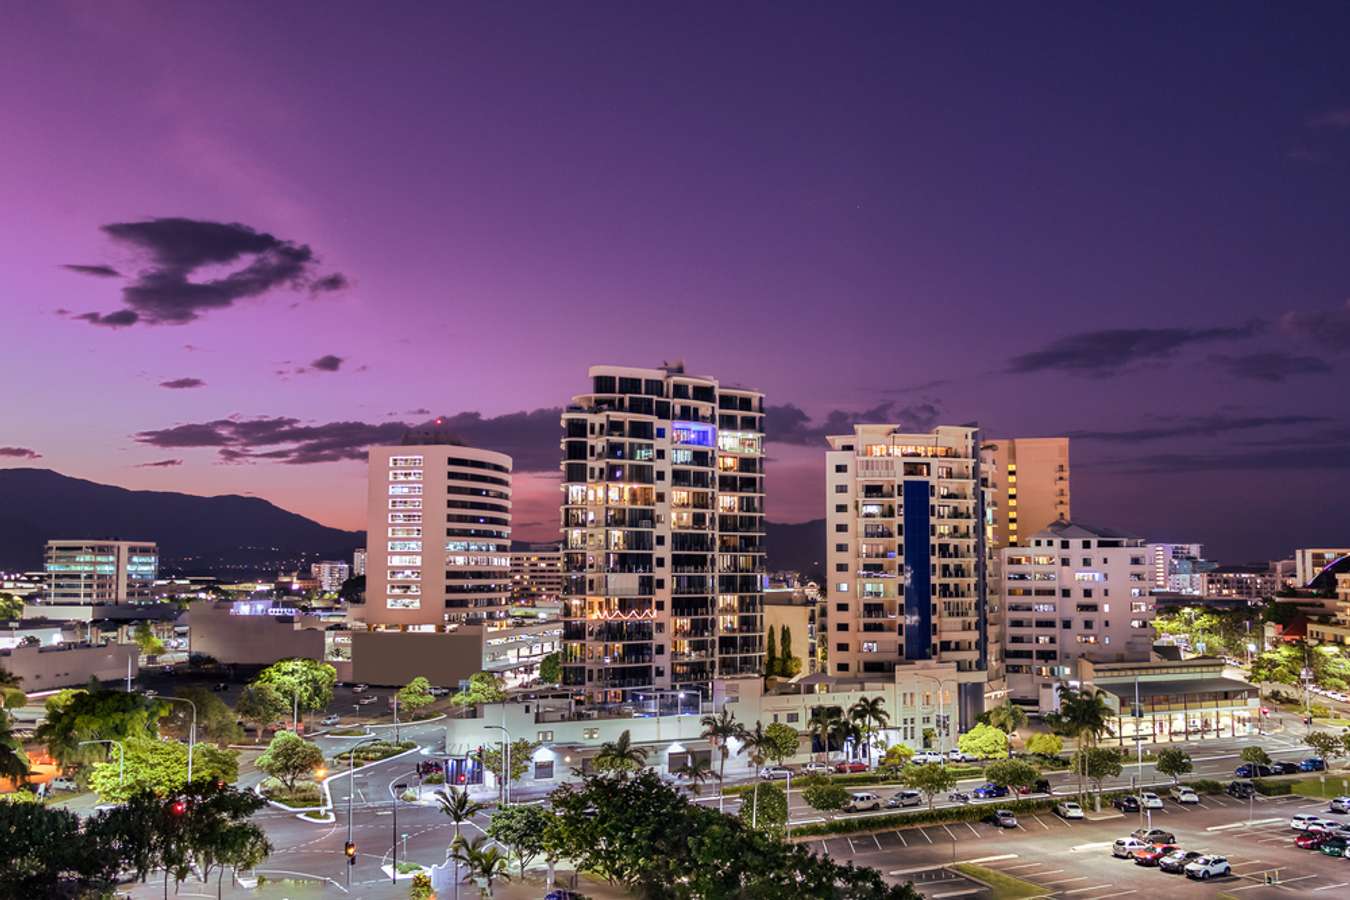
(1044, 744)
(984, 742)
(309, 680)
(929, 779)
(260, 705)
(93, 714)
(1174, 762)
(483, 687)
(289, 757)
(216, 722)
(160, 767)
(415, 695)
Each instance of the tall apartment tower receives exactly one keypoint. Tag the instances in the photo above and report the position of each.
(662, 534)
(536, 573)
(1029, 479)
(438, 535)
(98, 572)
(907, 550)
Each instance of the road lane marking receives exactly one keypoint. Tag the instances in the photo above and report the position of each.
(1116, 894)
(1024, 866)
(1097, 845)
(1328, 887)
(1081, 890)
(972, 829)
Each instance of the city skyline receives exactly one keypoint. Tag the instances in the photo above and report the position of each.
(236, 284)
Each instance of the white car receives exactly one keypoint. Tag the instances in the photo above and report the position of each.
(1208, 866)
(1303, 821)
(816, 768)
(1150, 800)
(958, 756)
(1068, 809)
(1125, 847)
(366, 701)
(1340, 805)
(1328, 825)
(771, 773)
(1183, 794)
(861, 801)
(360, 689)
(61, 783)
(924, 757)
(329, 720)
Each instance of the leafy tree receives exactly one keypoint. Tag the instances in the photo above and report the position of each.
(260, 705)
(869, 716)
(1255, 755)
(481, 862)
(897, 757)
(421, 887)
(11, 694)
(772, 662)
(1012, 773)
(289, 757)
(160, 767)
(781, 741)
(1044, 744)
(13, 759)
(353, 590)
(1085, 715)
(1174, 762)
(1007, 718)
(146, 640)
(415, 695)
(770, 815)
(96, 714)
(822, 725)
(984, 742)
(11, 606)
(307, 680)
(483, 687)
(213, 830)
(1098, 764)
(522, 751)
(719, 730)
(1327, 745)
(929, 736)
(824, 795)
(929, 779)
(216, 722)
(789, 666)
(550, 669)
(620, 756)
(41, 847)
(522, 830)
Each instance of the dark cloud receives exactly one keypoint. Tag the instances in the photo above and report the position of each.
(1286, 458)
(160, 464)
(179, 384)
(914, 388)
(19, 453)
(96, 271)
(1110, 351)
(164, 293)
(327, 363)
(418, 412)
(1333, 118)
(1326, 328)
(788, 424)
(1272, 366)
(530, 438)
(1207, 426)
(119, 319)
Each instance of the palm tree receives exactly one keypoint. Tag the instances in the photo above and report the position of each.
(480, 861)
(1084, 714)
(870, 715)
(843, 730)
(821, 725)
(621, 756)
(13, 761)
(757, 745)
(697, 771)
(719, 730)
(457, 805)
(1007, 718)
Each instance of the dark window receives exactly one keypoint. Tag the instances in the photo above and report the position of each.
(841, 467)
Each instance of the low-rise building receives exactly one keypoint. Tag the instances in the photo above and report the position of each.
(1246, 582)
(536, 574)
(1171, 701)
(1309, 562)
(83, 572)
(46, 668)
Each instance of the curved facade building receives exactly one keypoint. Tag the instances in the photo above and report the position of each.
(438, 535)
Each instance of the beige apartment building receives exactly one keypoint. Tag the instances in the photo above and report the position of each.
(536, 574)
(1029, 485)
(94, 572)
(906, 556)
(1075, 591)
(438, 535)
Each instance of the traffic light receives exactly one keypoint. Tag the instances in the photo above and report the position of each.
(350, 849)
(178, 807)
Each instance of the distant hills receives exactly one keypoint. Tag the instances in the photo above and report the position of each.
(228, 535)
(220, 535)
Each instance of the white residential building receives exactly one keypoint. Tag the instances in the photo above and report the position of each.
(84, 573)
(330, 574)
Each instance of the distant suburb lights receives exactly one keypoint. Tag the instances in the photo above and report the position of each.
(174, 248)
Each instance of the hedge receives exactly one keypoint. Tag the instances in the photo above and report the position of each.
(860, 779)
(945, 815)
(1268, 788)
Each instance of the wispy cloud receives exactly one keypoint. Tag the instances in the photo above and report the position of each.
(19, 453)
(789, 424)
(1111, 351)
(1272, 366)
(160, 464)
(179, 384)
(1207, 426)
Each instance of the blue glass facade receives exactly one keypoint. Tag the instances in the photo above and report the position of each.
(918, 583)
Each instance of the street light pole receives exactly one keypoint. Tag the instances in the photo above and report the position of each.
(351, 789)
(192, 730)
(398, 789)
(121, 758)
(506, 764)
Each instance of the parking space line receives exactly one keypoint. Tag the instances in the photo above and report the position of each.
(1116, 894)
(925, 836)
(1042, 824)
(1081, 890)
(1019, 827)
(949, 832)
(972, 829)
(1024, 866)
(1064, 880)
(1339, 884)
(853, 851)
(903, 842)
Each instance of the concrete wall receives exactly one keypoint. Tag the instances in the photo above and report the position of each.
(46, 668)
(249, 640)
(395, 658)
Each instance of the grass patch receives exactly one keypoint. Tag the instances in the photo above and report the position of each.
(305, 793)
(1313, 787)
(372, 752)
(1333, 723)
(348, 732)
(409, 868)
(1005, 887)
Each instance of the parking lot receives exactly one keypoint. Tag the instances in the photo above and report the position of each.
(1073, 859)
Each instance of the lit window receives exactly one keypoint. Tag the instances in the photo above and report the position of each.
(405, 560)
(405, 504)
(403, 603)
(406, 475)
(405, 518)
(403, 462)
(405, 575)
(405, 490)
(399, 546)
(405, 532)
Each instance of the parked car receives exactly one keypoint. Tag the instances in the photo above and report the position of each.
(990, 790)
(1177, 861)
(1301, 821)
(1067, 809)
(1150, 800)
(437, 691)
(329, 720)
(851, 766)
(773, 773)
(62, 783)
(901, 799)
(1154, 835)
(1285, 768)
(958, 756)
(927, 756)
(863, 800)
(1311, 840)
(1252, 770)
(1126, 803)
(1330, 826)
(1183, 794)
(366, 701)
(563, 894)
(1002, 818)
(360, 688)
(1334, 846)
(1241, 789)
(1208, 867)
(816, 768)
(1127, 847)
(1154, 854)
(1339, 805)
(1312, 764)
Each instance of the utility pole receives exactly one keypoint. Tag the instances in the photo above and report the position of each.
(398, 789)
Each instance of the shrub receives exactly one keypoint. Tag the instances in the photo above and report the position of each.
(408, 796)
(1268, 788)
(951, 814)
(305, 793)
(1206, 786)
(434, 778)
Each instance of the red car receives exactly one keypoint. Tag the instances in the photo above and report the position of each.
(851, 767)
(1151, 856)
(1311, 840)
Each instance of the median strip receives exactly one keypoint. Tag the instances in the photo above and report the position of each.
(1232, 825)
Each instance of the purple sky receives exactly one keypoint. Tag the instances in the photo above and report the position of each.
(1125, 224)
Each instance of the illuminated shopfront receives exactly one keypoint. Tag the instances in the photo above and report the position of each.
(1189, 700)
